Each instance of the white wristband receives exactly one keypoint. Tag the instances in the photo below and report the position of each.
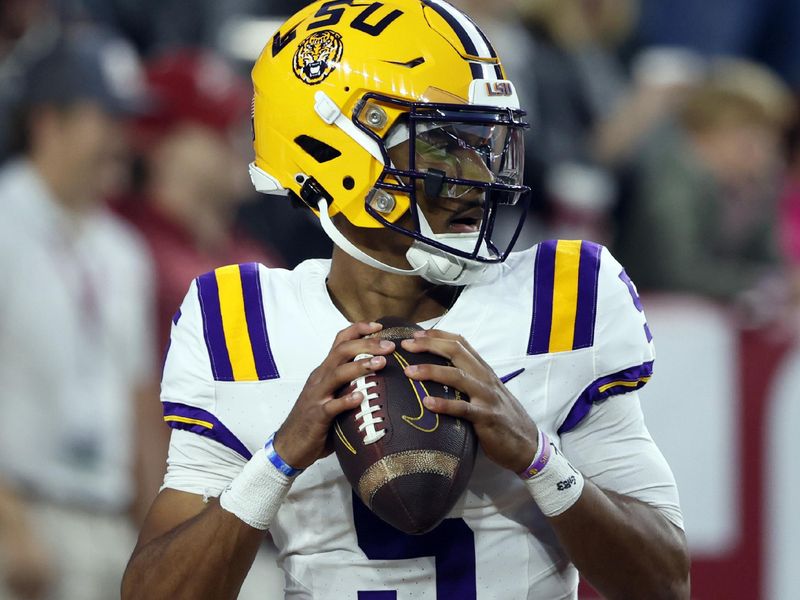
(557, 486)
(257, 492)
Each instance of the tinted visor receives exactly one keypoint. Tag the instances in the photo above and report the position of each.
(483, 154)
(463, 158)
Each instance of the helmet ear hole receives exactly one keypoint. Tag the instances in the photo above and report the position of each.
(348, 183)
(317, 149)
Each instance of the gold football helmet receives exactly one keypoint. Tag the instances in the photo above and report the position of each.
(360, 106)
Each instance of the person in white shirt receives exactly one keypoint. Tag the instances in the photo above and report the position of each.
(75, 330)
(395, 124)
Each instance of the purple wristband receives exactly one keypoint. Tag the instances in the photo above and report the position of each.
(277, 461)
(541, 458)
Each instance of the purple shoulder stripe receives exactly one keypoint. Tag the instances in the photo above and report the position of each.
(543, 279)
(586, 311)
(208, 294)
(256, 322)
(617, 383)
(202, 422)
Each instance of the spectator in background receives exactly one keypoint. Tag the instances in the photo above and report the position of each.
(75, 331)
(660, 80)
(703, 213)
(155, 26)
(27, 27)
(767, 31)
(571, 72)
(193, 181)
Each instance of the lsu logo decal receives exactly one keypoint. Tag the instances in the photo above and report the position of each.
(317, 56)
(499, 88)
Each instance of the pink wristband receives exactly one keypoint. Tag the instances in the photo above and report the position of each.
(540, 459)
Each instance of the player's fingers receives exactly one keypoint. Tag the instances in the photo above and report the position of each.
(349, 371)
(449, 348)
(355, 331)
(335, 406)
(348, 350)
(454, 408)
(450, 376)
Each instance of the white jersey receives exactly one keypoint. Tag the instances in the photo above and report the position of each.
(560, 324)
(75, 341)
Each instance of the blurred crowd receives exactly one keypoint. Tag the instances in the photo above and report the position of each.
(665, 129)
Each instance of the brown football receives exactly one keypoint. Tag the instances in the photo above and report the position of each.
(407, 464)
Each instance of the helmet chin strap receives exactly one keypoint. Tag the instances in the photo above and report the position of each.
(432, 264)
(342, 242)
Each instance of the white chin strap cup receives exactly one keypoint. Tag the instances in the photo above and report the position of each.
(443, 268)
(440, 266)
(432, 264)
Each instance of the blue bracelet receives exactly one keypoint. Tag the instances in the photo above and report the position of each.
(277, 461)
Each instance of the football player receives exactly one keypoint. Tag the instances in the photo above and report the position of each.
(393, 121)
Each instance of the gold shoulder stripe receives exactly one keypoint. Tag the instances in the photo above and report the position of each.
(565, 295)
(234, 323)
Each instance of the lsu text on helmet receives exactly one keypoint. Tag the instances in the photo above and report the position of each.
(361, 108)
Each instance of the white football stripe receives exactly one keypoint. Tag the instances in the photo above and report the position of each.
(475, 36)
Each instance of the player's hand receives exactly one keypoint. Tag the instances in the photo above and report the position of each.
(506, 432)
(301, 440)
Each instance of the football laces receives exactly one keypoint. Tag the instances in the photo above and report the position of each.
(369, 424)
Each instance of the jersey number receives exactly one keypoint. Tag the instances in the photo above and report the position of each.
(451, 544)
(636, 300)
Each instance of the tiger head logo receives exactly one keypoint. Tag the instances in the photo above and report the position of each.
(317, 56)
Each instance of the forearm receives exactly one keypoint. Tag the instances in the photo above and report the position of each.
(206, 557)
(623, 547)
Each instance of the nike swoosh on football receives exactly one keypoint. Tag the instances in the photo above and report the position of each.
(426, 420)
(510, 376)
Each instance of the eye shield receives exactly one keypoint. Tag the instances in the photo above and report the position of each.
(460, 157)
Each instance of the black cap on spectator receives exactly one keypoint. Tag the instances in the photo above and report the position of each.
(88, 64)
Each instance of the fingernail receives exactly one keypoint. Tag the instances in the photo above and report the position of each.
(419, 334)
(428, 401)
(412, 369)
(386, 344)
(375, 361)
(374, 324)
(357, 396)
